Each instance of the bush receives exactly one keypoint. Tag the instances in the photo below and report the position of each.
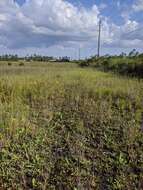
(83, 64)
(21, 64)
(122, 65)
(9, 64)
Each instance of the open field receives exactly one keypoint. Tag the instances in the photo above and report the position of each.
(67, 128)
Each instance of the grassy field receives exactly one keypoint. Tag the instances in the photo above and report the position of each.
(67, 128)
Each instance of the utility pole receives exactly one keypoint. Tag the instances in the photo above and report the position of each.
(99, 39)
(79, 53)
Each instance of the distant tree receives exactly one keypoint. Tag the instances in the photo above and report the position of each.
(123, 54)
(133, 53)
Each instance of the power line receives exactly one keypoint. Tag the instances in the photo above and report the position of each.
(79, 53)
(137, 29)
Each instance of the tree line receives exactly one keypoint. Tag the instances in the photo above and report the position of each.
(10, 57)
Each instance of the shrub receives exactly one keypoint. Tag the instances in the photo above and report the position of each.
(83, 63)
(9, 63)
(123, 65)
(21, 64)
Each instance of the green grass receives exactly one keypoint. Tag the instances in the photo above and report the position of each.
(63, 127)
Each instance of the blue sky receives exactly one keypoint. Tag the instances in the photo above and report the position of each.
(60, 27)
(20, 1)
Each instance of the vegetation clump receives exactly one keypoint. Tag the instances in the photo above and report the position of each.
(131, 65)
(21, 64)
(9, 63)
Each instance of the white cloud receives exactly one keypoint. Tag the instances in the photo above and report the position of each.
(61, 16)
(46, 22)
(138, 6)
(130, 26)
(2, 18)
(103, 6)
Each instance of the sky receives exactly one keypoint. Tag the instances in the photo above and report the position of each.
(61, 27)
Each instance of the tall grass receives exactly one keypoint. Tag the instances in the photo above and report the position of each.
(62, 127)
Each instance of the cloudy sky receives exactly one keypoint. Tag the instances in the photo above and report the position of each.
(60, 27)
